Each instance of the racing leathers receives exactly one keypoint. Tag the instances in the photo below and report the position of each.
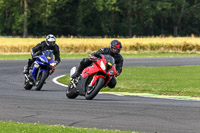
(37, 50)
(85, 62)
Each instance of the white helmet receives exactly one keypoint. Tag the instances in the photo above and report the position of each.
(50, 40)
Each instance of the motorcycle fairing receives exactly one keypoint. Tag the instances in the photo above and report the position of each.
(94, 68)
(81, 85)
(35, 70)
(34, 73)
(90, 70)
(42, 61)
(112, 69)
(95, 78)
(45, 58)
(100, 65)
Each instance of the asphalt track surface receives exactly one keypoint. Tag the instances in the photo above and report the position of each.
(133, 113)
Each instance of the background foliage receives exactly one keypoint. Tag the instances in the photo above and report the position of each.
(113, 18)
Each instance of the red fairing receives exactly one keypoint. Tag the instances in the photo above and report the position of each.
(95, 78)
(114, 73)
(94, 68)
(112, 69)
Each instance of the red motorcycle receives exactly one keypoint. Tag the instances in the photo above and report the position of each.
(93, 78)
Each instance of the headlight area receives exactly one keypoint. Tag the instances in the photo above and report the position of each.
(52, 64)
(103, 67)
(111, 72)
(36, 65)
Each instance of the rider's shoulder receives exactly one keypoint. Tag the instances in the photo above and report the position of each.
(119, 56)
(56, 46)
(105, 49)
(42, 43)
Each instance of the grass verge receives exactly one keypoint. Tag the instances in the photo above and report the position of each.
(177, 81)
(16, 127)
(19, 56)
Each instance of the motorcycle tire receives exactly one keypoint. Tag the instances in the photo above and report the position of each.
(41, 79)
(95, 91)
(70, 93)
(27, 86)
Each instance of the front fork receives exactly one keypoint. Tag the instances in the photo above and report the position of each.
(95, 77)
(36, 73)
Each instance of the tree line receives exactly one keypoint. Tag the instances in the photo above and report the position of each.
(112, 18)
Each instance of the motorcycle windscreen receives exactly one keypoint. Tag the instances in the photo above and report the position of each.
(49, 55)
(110, 59)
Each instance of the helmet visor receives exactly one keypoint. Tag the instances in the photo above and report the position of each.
(115, 50)
(51, 43)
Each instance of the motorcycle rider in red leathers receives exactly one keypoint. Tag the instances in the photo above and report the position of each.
(113, 50)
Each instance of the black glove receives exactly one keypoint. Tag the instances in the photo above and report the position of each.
(117, 74)
(36, 54)
(92, 57)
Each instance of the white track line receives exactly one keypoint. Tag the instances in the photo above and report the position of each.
(58, 83)
(55, 80)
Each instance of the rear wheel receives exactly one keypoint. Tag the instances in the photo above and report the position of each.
(27, 85)
(91, 92)
(70, 92)
(40, 81)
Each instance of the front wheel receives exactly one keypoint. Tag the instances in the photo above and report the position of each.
(92, 92)
(40, 81)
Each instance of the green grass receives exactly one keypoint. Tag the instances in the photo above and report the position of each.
(26, 56)
(153, 54)
(177, 81)
(16, 127)
(14, 56)
(81, 55)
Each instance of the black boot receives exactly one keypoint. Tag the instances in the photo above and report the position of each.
(26, 70)
(75, 75)
(85, 62)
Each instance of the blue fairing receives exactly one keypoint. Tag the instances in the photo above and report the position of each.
(35, 71)
(43, 61)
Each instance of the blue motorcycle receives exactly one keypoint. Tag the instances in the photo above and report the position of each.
(39, 71)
